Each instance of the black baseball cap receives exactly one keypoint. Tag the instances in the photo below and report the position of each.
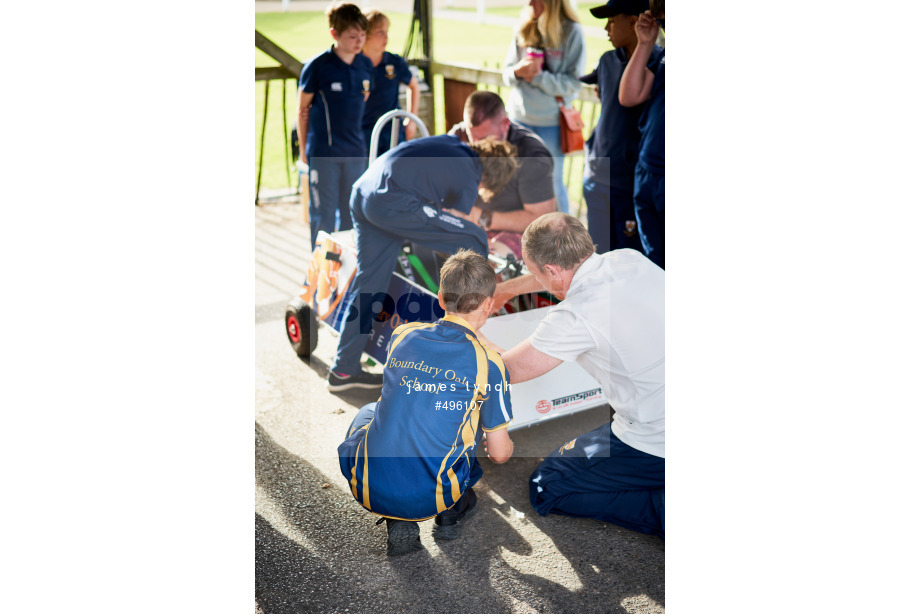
(620, 7)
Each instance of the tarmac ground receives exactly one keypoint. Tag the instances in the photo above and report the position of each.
(318, 550)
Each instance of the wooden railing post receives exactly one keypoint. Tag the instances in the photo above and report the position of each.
(455, 95)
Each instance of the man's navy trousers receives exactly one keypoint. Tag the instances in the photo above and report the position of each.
(599, 476)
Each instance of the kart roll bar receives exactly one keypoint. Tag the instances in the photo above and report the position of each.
(394, 131)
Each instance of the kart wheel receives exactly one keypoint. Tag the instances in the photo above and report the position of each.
(301, 327)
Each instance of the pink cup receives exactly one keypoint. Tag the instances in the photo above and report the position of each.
(534, 52)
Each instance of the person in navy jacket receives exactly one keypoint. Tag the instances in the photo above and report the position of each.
(423, 191)
(612, 150)
(643, 82)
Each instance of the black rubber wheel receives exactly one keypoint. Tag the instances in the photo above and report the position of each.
(301, 327)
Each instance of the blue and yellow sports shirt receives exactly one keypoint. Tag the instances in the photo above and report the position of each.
(441, 389)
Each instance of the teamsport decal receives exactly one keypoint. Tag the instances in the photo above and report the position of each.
(543, 406)
(575, 399)
(451, 220)
(336, 87)
(429, 211)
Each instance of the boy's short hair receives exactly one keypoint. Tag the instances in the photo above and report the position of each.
(482, 105)
(374, 18)
(656, 7)
(557, 238)
(343, 15)
(498, 165)
(467, 279)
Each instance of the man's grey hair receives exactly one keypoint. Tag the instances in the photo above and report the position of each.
(557, 238)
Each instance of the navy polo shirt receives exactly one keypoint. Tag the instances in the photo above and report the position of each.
(338, 104)
(651, 124)
(391, 71)
(438, 170)
(612, 150)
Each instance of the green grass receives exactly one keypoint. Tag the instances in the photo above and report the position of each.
(584, 13)
(305, 34)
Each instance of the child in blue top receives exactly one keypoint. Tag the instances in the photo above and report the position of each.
(612, 150)
(423, 190)
(643, 82)
(412, 455)
(389, 71)
(334, 87)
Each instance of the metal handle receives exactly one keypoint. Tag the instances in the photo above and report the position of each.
(384, 119)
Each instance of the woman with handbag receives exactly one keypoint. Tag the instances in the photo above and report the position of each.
(543, 64)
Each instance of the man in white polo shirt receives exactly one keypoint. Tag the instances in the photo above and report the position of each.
(610, 321)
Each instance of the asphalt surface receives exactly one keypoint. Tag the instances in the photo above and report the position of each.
(318, 550)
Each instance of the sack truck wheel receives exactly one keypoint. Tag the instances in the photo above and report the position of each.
(301, 327)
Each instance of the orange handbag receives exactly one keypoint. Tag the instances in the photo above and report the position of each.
(570, 127)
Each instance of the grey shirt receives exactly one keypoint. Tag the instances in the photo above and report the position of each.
(533, 181)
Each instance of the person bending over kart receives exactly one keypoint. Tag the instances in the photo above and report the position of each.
(419, 191)
(412, 454)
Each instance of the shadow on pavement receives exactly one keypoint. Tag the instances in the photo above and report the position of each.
(317, 550)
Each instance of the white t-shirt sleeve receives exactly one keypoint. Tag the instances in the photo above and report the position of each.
(563, 335)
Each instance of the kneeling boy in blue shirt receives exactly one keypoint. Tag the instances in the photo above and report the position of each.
(412, 455)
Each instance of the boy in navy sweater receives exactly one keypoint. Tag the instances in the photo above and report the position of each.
(334, 87)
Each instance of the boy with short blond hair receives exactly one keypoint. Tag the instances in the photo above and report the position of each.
(334, 87)
(412, 455)
(389, 71)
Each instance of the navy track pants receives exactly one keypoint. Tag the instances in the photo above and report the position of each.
(598, 476)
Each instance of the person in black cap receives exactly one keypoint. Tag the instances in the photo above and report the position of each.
(612, 150)
(644, 81)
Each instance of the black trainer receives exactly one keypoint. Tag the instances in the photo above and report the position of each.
(362, 379)
(402, 537)
(447, 524)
